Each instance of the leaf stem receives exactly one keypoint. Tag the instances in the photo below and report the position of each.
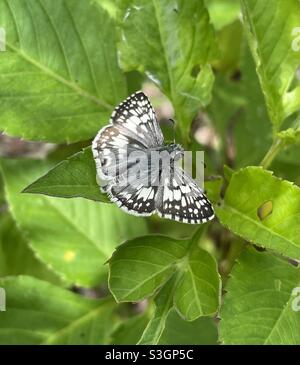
(272, 153)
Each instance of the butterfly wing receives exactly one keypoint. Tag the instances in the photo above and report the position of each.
(135, 196)
(136, 117)
(133, 126)
(181, 199)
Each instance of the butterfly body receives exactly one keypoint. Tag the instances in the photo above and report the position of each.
(175, 150)
(139, 172)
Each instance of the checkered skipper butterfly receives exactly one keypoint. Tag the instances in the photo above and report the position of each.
(124, 150)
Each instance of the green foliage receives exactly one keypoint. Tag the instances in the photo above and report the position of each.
(74, 177)
(73, 237)
(16, 257)
(179, 332)
(180, 272)
(129, 331)
(52, 86)
(217, 9)
(172, 42)
(145, 264)
(249, 189)
(229, 70)
(258, 306)
(213, 188)
(290, 136)
(271, 37)
(41, 313)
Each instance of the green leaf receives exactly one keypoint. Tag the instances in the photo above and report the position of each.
(163, 303)
(227, 99)
(292, 101)
(270, 25)
(74, 237)
(38, 312)
(290, 136)
(287, 163)
(289, 151)
(16, 257)
(213, 188)
(230, 40)
(250, 125)
(249, 189)
(238, 111)
(223, 13)
(197, 293)
(109, 6)
(140, 267)
(287, 170)
(2, 195)
(172, 42)
(202, 331)
(258, 306)
(59, 76)
(177, 331)
(74, 177)
(130, 330)
(157, 328)
(228, 172)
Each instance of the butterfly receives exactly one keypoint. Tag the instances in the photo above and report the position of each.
(123, 153)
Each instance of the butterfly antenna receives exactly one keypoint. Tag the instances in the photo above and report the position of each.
(173, 124)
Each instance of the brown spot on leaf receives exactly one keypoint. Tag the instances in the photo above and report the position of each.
(265, 210)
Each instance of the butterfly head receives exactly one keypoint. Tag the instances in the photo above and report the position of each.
(175, 150)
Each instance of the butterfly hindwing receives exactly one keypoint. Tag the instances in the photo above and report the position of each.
(181, 199)
(135, 196)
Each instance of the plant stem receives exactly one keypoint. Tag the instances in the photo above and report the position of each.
(271, 154)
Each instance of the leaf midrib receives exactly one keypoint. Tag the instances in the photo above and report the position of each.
(60, 79)
(164, 49)
(194, 288)
(123, 299)
(246, 217)
(161, 324)
(161, 312)
(50, 187)
(280, 316)
(261, 64)
(75, 227)
(77, 322)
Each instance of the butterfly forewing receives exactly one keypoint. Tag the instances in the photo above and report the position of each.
(137, 117)
(181, 199)
(133, 126)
